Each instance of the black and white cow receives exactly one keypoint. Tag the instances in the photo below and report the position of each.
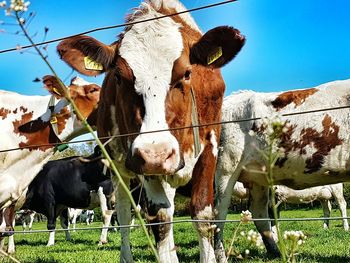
(315, 147)
(71, 182)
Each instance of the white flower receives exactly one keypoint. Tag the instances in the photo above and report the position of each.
(285, 129)
(246, 216)
(252, 133)
(242, 233)
(17, 6)
(247, 251)
(296, 236)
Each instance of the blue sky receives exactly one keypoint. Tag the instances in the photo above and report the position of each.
(290, 44)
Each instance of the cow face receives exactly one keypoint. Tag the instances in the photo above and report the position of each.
(150, 73)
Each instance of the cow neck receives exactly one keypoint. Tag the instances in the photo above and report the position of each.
(195, 123)
(54, 109)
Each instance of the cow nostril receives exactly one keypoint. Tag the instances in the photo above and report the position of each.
(171, 154)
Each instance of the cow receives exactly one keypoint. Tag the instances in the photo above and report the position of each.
(321, 193)
(72, 182)
(313, 147)
(30, 128)
(26, 218)
(161, 74)
(73, 214)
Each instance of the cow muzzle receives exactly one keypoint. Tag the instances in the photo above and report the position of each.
(154, 159)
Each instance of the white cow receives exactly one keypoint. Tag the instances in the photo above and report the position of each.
(34, 124)
(321, 193)
(73, 214)
(316, 147)
(324, 194)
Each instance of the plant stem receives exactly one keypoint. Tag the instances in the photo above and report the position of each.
(271, 163)
(232, 241)
(99, 143)
(9, 256)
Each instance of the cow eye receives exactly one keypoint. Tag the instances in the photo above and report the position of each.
(118, 77)
(187, 74)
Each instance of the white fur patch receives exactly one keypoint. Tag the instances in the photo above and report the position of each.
(80, 82)
(214, 143)
(179, 7)
(150, 50)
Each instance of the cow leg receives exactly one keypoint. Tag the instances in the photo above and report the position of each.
(224, 183)
(24, 225)
(64, 222)
(123, 208)
(327, 207)
(339, 197)
(51, 224)
(74, 221)
(9, 216)
(202, 202)
(259, 209)
(11, 242)
(32, 215)
(160, 196)
(106, 215)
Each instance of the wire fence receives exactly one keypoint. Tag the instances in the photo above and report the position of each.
(297, 219)
(117, 26)
(174, 129)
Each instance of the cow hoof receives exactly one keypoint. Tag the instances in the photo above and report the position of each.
(11, 251)
(273, 255)
(101, 243)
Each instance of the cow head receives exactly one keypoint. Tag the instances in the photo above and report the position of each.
(150, 71)
(85, 96)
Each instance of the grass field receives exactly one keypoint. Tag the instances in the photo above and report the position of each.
(321, 246)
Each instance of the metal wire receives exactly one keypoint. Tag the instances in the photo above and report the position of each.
(181, 222)
(115, 26)
(175, 129)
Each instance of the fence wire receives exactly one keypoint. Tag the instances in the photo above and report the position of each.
(174, 129)
(299, 219)
(116, 26)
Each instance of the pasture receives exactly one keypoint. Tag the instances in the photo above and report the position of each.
(321, 246)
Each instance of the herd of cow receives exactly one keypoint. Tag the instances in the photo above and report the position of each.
(164, 74)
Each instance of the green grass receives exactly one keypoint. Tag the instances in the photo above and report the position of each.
(321, 246)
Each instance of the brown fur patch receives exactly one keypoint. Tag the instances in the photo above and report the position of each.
(34, 139)
(323, 141)
(4, 112)
(297, 97)
(23, 109)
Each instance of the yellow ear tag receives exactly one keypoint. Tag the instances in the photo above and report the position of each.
(215, 55)
(56, 91)
(92, 65)
(53, 120)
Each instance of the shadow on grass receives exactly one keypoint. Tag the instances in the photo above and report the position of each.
(30, 242)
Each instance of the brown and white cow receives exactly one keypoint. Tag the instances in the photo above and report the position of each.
(150, 71)
(316, 147)
(34, 124)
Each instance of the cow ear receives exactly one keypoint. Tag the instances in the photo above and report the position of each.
(52, 85)
(217, 47)
(86, 55)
